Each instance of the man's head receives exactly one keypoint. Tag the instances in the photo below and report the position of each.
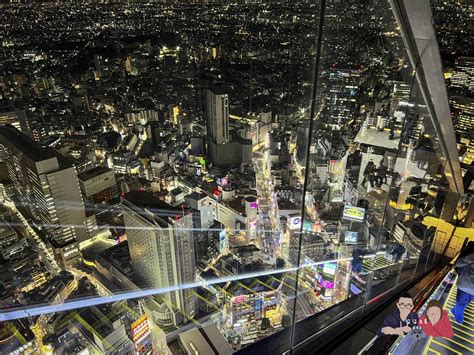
(434, 311)
(405, 305)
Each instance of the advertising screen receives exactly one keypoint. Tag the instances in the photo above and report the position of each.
(140, 327)
(353, 213)
(329, 268)
(222, 181)
(317, 227)
(223, 241)
(326, 284)
(239, 299)
(351, 237)
(295, 222)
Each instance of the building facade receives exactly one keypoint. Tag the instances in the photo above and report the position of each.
(160, 240)
(46, 187)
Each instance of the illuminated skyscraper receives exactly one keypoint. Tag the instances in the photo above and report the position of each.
(341, 98)
(464, 108)
(217, 116)
(160, 239)
(463, 74)
(47, 188)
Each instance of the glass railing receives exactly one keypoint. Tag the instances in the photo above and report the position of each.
(202, 176)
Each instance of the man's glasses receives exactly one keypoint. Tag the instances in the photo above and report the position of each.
(406, 306)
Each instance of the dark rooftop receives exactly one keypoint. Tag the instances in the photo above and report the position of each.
(34, 151)
(246, 248)
(89, 174)
(285, 204)
(196, 195)
(146, 200)
(25, 144)
(176, 191)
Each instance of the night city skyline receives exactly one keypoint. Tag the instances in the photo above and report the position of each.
(211, 177)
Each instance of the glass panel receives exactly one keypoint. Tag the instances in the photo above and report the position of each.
(167, 182)
(364, 86)
(375, 168)
(196, 176)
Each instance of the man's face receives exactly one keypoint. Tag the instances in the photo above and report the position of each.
(434, 314)
(405, 305)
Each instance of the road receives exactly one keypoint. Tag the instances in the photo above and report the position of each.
(46, 253)
(269, 229)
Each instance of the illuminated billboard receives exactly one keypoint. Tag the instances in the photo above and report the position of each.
(307, 226)
(222, 181)
(295, 222)
(223, 241)
(326, 284)
(140, 329)
(351, 237)
(353, 213)
(329, 268)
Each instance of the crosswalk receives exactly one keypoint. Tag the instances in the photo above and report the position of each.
(463, 340)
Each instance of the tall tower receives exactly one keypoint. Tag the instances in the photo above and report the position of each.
(217, 116)
(47, 189)
(160, 240)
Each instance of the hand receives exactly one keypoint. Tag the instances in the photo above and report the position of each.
(399, 331)
(406, 329)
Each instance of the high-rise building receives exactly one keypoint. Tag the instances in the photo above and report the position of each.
(47, 188)
(160, 240)
(16, 118)
(217, 116)
(153, 133)
(221, 150)
(463, 74)
(341, 98)
(462, 103)
(399, 100)
(462, 108)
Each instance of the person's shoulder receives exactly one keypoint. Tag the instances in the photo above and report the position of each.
(395, 315)
(445, 314)
(413, 315)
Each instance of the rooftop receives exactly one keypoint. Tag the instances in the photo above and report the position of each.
(34, 151)
(146, 200)
(90, 174)
(25, 144)
(196, 195)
